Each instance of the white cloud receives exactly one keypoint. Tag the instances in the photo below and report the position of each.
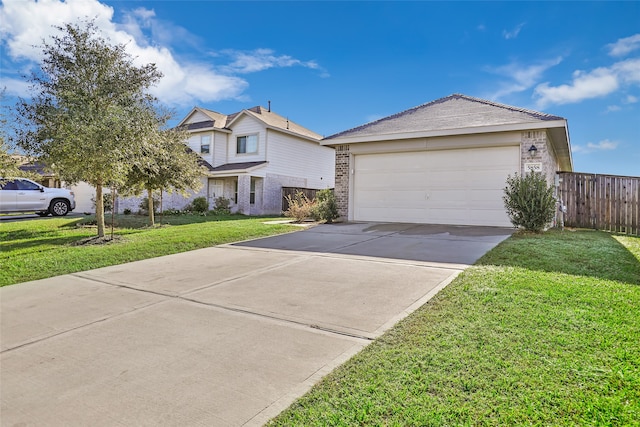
(613, 108)
(604, 145)
(15, 87)
(630, 99)
(27, 23)
(520, 77)
(596, 83)
(624, 46)
(263, 59)
(513, 33)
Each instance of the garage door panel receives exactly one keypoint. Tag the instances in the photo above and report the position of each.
(446, 187)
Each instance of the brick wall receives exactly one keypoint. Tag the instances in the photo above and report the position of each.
(544, 156)
(342, 180)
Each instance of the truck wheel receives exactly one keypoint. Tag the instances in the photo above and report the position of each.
(59, 207)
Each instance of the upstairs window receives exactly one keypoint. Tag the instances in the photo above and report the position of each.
(205, 144)
(247, 144)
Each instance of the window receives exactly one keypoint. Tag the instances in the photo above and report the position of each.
(205, 144)
(27, 185)
(252, 192)
(235, 194)
(247, 144)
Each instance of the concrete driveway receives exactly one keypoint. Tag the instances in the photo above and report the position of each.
(228, 335)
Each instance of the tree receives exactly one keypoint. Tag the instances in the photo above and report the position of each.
(167, 164)
(529, 201)
(90, 115)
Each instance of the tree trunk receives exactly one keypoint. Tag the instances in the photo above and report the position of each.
(150, 197)
(100, 210)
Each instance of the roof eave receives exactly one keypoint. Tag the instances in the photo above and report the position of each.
(233, 172)
(299, 135)
(547, 124)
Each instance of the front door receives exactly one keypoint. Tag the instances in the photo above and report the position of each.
(216, 189)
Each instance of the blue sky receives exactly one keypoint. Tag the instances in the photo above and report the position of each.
(331, 66)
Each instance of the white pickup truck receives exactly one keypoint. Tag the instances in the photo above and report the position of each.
(24, 195)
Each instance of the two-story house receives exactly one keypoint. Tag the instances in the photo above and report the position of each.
(252, 154)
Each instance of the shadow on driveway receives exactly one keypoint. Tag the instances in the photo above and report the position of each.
(455, 244)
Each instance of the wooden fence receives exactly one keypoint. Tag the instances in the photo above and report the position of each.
(292, 191)
(603, 202)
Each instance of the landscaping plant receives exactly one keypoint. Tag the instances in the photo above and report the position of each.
(300, 207)
(529, 201)
(325, 208)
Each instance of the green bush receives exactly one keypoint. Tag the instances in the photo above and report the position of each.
(300, 207)
(144, 205)
(127, 211)
(222, 206)
(529, 201)
(107, 200)
(325, 208)
(199, 205)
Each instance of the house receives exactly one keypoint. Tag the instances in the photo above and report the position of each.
(252, 154)
(444, 162)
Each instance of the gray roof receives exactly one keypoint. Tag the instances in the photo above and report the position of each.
(269, 118)
(236, 166)
(452, 112)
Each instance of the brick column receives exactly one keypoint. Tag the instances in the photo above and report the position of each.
(543, 155)
(343, 173)
(244, 189)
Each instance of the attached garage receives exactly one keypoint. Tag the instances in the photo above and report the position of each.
(444, 162)
(463, 186)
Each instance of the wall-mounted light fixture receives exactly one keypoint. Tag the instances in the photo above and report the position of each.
(532, 150)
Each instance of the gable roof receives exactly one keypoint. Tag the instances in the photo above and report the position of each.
(223, 122)
(218, 120)
(274, 121)
(456, 111)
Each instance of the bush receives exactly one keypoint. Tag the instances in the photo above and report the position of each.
(107, 200)
(171, 212)
(529, 201)
(199, 205)
(326, 208)
(221, 206)
(300, 207)
(127, 211)
(144, 205)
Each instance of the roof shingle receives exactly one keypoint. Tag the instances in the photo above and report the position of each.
(451, 112)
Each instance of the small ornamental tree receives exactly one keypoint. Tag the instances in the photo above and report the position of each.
(529, 201)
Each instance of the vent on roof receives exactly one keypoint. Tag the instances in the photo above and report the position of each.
(269, 104)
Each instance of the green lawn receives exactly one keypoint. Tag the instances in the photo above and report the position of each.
(544, 330)
(37, 249)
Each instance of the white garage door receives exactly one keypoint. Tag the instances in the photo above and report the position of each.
(462, 186)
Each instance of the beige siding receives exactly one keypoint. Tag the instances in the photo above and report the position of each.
(219, 149)
(198, 117)
(247, 126)
(293, 157)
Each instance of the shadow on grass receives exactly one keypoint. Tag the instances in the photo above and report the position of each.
(582, 252)
(142, 221)
(42, 243)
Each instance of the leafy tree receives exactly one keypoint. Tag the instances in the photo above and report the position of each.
(90, 115)
(167, 164)
(529, 201)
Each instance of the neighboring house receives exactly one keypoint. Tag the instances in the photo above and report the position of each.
(251, 155)
(444, 162)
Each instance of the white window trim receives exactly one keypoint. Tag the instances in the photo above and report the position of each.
(257, 135)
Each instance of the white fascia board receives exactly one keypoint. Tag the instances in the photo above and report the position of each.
(448, 132)
(215, 129)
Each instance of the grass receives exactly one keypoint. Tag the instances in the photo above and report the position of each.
(38, 249)
(543, 330)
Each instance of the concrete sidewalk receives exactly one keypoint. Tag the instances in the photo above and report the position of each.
(228, 335)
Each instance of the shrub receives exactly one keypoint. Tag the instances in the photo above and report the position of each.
(127, 211)
(529, 201)
(326, 208)
(144, 205)
(107, 200)
(199, 205)
(221, 206)
(300, 207)
(171, 212)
